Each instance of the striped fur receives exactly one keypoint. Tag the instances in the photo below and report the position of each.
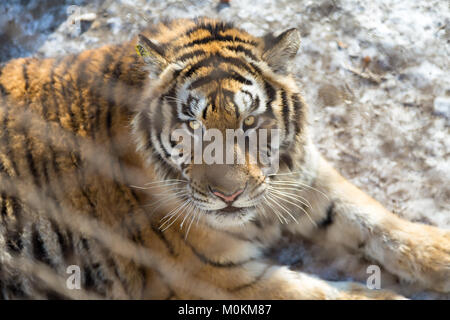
(87, 179)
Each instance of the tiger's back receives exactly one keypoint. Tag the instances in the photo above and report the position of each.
(65, 150)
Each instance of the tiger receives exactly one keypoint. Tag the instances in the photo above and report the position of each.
(88, 180)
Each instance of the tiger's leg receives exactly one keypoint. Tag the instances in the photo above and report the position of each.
(349, 217)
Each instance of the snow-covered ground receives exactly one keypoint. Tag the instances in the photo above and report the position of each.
(374, 73)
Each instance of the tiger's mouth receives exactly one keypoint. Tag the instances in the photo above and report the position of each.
(231, 209)
(235, 210)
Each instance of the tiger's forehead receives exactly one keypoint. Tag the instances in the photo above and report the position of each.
(182, 37)
(210, 96)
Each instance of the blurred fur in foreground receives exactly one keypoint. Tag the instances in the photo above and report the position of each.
(74, 190)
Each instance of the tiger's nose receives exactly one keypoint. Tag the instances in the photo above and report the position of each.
(227, 198)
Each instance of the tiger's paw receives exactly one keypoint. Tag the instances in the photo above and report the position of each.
(427, 256)
(437, 268)
(356, 291)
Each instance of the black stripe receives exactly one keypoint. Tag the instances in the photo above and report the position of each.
(255, 104)
(143, 271)
(298, 110)
(251, 283)
(220, 38)
(186, 107)
(14, 232)
(3, 210)
(67, 92)
(116, 71)
(6, 141)
(46, 88)
(240, 48)
(39, 251)
(235, 236)
(98, 87)
(287, 159)
(271, 94)
(239, 78)
(14, 241)
(112, 264)
(2, 284)
(212, 28)
(49, 192)
(29, 157)
(53, 295)
(25, 74)
(163, 238)
(52, 86)
(329, 219)
(87, 271)
(217, 75)
(49, 88)
(144, 125)
(204, 259)
(166, 152)
(190, 55)
(94, 276)
(81, 76)
(205, 112)
(285, 111)
(111, 85)
(214, 60)
(137, 75)
(88, 278)
(2, 168)
(15, 287)
(65, 242)
(3, 91)
(257, 223)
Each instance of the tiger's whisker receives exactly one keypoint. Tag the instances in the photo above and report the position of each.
(301, 208)
(194, 214)
(176, 214)
(297, 183)
(283, 208)
(275, 211)
(292, 196)
(167, 180)
(169, 197)
(188, 208)
(156, 186)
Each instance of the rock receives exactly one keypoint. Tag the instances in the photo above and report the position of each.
(329, 95)
(222, 5)
(91, 16)
(442, 106)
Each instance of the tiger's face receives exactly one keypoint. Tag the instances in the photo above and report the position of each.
(213, 85)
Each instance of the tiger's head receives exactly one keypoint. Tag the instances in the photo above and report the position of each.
(208, 76)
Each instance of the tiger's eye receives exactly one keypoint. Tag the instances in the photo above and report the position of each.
(194, 124)
(249, 121)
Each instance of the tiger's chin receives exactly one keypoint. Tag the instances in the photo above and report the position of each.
(230, 217)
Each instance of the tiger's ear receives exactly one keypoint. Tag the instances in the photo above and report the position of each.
(280, 51)
(152, 54)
